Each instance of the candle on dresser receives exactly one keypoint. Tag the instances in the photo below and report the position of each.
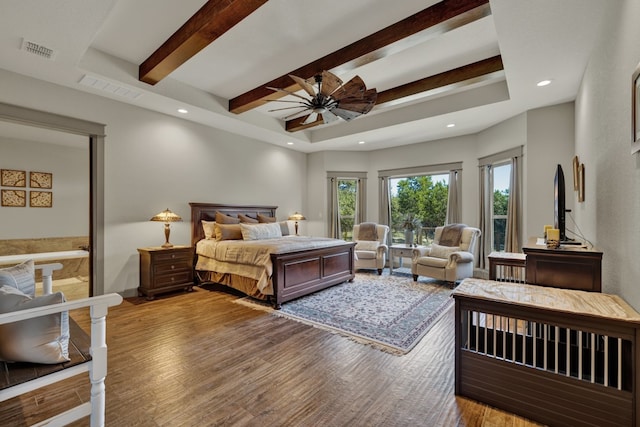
(553, 234)
(546, 228)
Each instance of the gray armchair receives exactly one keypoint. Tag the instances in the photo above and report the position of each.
(449, 262)
(371, 248)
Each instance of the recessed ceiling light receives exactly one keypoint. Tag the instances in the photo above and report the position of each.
(360, 142)
(182, 111)
(543, 83)
(289, 143)
(451, 125)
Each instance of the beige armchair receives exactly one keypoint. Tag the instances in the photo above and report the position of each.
(371, 246)
(449, 259)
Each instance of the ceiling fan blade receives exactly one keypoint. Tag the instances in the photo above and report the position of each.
(286, 108)
(310, 118)
(329, 117)
(361, 108)
(304, 85)
(287, 92)
(297, 114)
(354, 87)
(345, 114)
(330, 82)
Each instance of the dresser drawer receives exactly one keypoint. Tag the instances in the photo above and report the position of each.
(172, 267)
(173, 255)
(173, 279)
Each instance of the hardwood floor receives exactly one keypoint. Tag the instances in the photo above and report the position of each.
(198, 359)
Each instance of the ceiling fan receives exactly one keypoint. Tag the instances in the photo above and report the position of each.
(330, 98)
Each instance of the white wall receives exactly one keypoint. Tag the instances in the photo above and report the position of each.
(550, 141)
(611, 211)
(154, 162)
(69, 215)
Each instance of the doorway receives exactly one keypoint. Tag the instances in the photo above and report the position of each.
(93, 136)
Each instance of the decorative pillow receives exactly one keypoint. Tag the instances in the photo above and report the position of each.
(266, 219)
(284, 228)
(247, 219)
(43, 339)
(226, 219)
(209, 229)
(21, 277)
(228, 232)
(366, 245)
(260, 231)
(439, 251)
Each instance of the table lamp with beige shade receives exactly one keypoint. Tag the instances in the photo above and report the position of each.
(296, 216)
(167, 217)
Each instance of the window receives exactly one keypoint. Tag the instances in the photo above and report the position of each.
(418, 202)
(347, 202)
(500, 178)
(347, 206)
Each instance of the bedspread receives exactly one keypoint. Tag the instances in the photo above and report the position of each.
(252, 258)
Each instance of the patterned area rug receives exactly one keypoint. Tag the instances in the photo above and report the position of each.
(391, 313)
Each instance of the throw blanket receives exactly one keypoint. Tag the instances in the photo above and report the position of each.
(451, 235)
(368, 231)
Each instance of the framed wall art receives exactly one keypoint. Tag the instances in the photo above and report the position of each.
(581, 183)
(635, 110)
(40, 179)
(13, 198)
(576, 166)
(13, 178)
(40, 199)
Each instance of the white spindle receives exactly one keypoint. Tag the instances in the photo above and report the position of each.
(606, 361)
(593, 357)
(535, 344)
(568, 356)
(619, 363)
(544, 362)
(557, 341)
(579, 354)
(495, 343)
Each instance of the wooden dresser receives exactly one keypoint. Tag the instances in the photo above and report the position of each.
(568, 267)
(165, 269)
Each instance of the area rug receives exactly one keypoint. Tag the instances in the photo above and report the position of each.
(391, 313)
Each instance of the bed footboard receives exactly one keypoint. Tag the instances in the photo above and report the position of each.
(296, 274)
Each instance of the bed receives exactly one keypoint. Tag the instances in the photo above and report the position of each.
(301, 266)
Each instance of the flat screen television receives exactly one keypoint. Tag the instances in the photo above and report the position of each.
(559, 208)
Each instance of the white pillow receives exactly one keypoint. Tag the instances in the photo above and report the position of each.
(209, 229)
(43, 339)
(367, 245)
(260, 231)
(438, 251)
(21, 277)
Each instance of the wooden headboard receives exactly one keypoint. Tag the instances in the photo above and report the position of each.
(207, 212)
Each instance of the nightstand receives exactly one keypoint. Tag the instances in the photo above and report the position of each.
(165, 269)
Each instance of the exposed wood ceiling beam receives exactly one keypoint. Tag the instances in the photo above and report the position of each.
(428, 23)
(213, 19)
(486, 69)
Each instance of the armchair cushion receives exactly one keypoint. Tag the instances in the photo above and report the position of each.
(366, 245)
(439, 251)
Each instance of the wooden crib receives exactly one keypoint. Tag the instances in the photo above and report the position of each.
(560, 357)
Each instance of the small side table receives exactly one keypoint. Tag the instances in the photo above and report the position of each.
(401, 251)
(165, 269)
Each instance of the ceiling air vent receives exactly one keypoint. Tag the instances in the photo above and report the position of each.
(38, 49)
(113, 88)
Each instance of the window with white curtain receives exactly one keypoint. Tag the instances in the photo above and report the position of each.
(500, 189)
(500, 184)
(347, 202)
(430, 195)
